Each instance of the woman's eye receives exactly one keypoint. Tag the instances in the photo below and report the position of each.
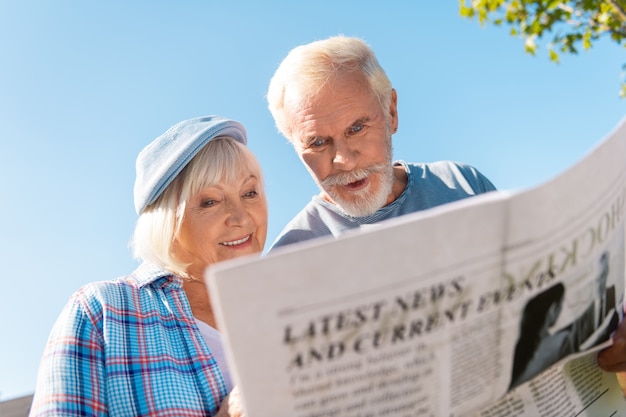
(208, 203)
(250, 194)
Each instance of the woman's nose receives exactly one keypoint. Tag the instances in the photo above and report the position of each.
(237, 213)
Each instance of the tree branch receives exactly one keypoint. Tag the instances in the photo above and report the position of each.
(619, 10)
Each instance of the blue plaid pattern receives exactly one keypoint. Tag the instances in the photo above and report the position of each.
(128, 347)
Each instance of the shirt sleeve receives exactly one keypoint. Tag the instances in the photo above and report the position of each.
(478, 181)
(71, 372)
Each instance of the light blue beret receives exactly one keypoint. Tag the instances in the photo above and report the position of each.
(163, 159)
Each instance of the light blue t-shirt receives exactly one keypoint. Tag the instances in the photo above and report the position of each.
(428, 185)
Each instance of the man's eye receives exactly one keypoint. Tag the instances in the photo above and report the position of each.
(318, 142)
(356, 128)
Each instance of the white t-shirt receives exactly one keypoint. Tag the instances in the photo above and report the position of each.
(214, 340)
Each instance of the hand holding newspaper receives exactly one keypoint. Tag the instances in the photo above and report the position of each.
(491, 306)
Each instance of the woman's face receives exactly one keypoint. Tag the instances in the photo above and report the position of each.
(222, 222)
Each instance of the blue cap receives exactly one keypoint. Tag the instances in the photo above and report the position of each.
(163, 159)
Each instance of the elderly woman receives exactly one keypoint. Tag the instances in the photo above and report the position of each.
(147, 344)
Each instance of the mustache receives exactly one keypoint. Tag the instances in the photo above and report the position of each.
(345, 178)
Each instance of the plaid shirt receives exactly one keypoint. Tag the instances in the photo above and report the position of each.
(128, 347)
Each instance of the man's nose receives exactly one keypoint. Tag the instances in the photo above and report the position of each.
(346, 155)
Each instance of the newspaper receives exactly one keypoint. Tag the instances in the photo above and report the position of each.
(421, 315)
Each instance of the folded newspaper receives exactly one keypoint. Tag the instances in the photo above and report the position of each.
(492, 306)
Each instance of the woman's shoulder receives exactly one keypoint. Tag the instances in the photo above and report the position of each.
(122, 290)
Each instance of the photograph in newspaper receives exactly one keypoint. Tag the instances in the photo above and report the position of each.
(539, 345)
(491, 306)
(578, 312)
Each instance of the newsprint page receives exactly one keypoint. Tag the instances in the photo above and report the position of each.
(490, 307)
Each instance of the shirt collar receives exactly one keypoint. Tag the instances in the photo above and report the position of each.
(149, 273)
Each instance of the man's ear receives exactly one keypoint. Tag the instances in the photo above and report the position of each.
(393, 110)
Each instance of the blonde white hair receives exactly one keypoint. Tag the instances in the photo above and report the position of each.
(223, 159)
(308, 67)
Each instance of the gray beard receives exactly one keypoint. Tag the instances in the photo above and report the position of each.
(364, 202)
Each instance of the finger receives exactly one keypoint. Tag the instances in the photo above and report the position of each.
(613, 358)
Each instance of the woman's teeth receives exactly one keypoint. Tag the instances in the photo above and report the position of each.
(235, 242)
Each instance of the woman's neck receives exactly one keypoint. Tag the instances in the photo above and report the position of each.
(199, 301)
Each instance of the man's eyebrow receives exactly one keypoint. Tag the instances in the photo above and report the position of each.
(360, 121)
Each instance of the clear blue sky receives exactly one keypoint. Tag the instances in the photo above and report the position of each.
(85, 85)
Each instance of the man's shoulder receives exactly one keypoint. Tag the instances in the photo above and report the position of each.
(449, 173)
(439, 167)
(316, 219)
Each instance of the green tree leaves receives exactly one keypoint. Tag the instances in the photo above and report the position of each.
(572, 25)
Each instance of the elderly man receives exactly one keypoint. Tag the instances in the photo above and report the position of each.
(334, 102)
